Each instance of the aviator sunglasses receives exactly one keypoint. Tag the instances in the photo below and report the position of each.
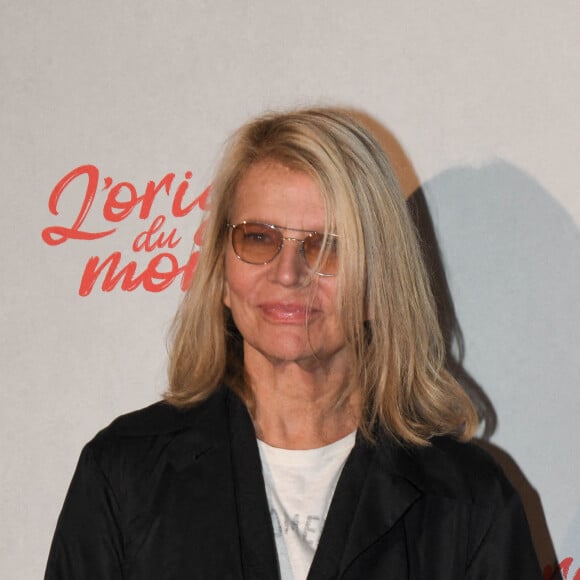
(257, 243)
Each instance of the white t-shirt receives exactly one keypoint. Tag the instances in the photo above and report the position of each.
(299, 487)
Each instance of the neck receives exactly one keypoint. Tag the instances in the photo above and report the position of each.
(296, 405)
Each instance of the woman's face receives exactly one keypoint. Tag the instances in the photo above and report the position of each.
(284, 312)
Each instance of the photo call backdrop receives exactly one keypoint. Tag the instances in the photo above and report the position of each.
(113, 117)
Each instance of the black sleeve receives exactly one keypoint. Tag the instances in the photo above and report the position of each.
(87, 543)
(506, 550)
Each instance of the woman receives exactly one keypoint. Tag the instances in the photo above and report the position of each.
(310, 427)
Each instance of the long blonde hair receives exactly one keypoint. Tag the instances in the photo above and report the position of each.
(388, 311)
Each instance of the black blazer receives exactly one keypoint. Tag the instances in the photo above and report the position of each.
(165, 494)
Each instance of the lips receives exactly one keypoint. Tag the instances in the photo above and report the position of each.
(289, 313)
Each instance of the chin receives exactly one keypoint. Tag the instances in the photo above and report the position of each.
(287, 352)
(300, 351)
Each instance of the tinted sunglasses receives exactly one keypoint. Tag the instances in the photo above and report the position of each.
(258, 243)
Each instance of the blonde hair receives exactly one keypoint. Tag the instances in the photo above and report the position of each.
(388, 311)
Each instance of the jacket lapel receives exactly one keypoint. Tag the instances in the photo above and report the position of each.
(370, 498)
(221, 512)
(257, 544)
(342, 511)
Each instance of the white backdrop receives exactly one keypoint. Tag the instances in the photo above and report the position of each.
(481, 98)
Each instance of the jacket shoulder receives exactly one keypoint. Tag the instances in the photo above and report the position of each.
(462, 471)
(160, 418)
(156, 433)
(155, 419)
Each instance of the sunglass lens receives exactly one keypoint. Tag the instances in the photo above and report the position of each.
(321, 255)
(255, 243)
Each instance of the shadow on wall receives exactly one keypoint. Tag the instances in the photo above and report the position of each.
(513, 253)
(454, 341)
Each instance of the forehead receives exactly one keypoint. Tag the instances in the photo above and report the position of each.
(272, 192)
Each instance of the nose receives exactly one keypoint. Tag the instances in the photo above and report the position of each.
(288, 267)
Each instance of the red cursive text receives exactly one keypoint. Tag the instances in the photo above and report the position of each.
(121, 200)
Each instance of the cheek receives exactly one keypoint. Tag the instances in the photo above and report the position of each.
(238, 282)
(328, 294)
(229, 279)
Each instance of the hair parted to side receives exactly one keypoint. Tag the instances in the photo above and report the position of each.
(384, 296)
